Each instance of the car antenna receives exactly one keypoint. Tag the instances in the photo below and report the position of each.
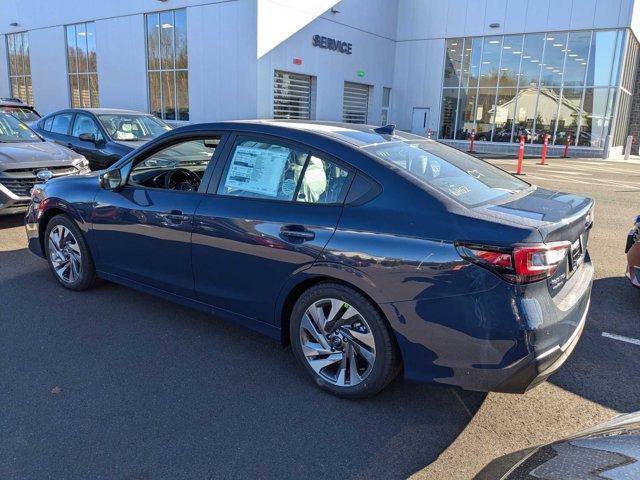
(386, 130)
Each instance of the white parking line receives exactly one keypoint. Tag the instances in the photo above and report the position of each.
(621, 338)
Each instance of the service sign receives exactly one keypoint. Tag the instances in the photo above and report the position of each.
(332, 44)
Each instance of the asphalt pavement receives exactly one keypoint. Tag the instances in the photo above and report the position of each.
(113, 383)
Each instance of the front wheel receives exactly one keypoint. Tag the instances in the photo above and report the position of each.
(68, 255)
(342, 341)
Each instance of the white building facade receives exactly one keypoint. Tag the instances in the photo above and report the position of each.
(497, 69)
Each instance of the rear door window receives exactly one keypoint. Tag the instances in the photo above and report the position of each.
(322, 182)
(61, 123)
(459, 176)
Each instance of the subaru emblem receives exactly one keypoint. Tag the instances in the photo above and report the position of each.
(44, 175)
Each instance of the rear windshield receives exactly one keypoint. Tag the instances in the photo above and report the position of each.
(23, 114)
(461, 177)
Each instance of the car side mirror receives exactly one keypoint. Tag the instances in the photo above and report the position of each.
(87, 137)
(111, 179)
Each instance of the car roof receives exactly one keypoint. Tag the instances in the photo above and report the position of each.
(106, 111)
(358, 135)
(14, 102)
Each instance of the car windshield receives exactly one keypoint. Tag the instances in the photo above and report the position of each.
(21, 113)
(132, 128)
(13, 130)
(461, 177)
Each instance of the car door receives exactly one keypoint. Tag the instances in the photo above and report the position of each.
(142, 231)
(84, 129)
(270, 214)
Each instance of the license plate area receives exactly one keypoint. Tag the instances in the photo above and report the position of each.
(576, 254)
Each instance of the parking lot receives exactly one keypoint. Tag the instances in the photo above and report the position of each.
(113, 383)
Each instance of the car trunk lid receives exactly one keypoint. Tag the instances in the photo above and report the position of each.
(559, 217)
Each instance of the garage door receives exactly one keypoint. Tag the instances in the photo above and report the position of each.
(291, 95)
(355, 103)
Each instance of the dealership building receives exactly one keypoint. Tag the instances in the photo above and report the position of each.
(501, 70)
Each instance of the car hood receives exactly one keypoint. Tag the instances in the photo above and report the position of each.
(612, 447)
(131, 145)
(36, 154)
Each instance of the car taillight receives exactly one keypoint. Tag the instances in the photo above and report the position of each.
(518, 264)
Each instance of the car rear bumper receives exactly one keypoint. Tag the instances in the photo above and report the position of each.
(508, 338)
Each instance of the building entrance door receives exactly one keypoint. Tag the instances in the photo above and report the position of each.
(420, 121)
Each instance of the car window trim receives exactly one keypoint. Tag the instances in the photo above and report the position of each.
(155, 147)
(214, 186)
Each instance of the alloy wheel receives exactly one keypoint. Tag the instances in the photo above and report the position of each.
(64, 253)
(337, 342)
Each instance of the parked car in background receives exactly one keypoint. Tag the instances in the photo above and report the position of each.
(366, 249)
(26, 159)
(633, 253)
(102, 135)
(610, 450)
(19, 109)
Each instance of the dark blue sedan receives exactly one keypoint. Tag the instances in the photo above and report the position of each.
(370, 251)
(102, 135)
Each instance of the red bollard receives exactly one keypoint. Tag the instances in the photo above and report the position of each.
(566, 147)
(472, 141)
(520, 155)
(545, 147)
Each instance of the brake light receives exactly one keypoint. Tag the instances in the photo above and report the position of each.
(519, 264)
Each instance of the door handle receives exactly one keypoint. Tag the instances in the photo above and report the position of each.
(174, 217)
(297, 232)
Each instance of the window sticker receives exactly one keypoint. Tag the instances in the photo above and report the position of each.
(257, 170)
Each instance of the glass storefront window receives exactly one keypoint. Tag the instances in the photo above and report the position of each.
(553, 59)
(167, 64)
(453, 62)
(19, 66)
(510, 64)
(603, 46)
(471, 62)
(466, 113)
(485, 113)
(559, 83)
(568, 115)
(577, 58)
(448, 113)
(490, 65)
(546, 113)
(596, 116)
(531, 59)
(505, 110)
(525, 113)
(82, 65)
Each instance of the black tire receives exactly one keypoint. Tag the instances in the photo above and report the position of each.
(86, 278)
(387, 358)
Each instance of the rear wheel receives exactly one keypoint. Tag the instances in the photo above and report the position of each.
(342, 341)
(68, 255)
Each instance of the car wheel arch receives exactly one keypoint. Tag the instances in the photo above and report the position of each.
(295, 291)
(44, 221)
(52, 211)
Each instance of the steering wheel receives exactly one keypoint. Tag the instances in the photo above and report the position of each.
(181, 179)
